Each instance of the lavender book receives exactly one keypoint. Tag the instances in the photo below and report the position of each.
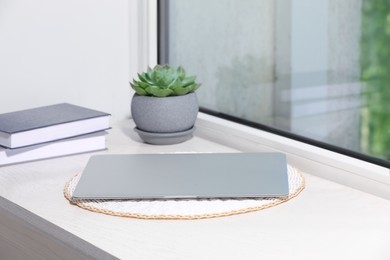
(74, 145)
(49, 123)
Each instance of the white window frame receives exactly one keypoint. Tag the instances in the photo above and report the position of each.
(143, 35)
(317, 161)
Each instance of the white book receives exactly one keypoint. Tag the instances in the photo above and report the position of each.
(75, 145)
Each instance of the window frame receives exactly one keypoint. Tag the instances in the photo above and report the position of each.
(162, 58)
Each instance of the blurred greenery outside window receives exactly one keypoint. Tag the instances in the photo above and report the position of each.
(375, 72)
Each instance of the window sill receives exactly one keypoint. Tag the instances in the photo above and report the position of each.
(36, 220)
(323, 163)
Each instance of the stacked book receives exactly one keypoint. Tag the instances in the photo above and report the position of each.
(51, 131)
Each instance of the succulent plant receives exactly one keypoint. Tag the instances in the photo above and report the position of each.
(164, 81)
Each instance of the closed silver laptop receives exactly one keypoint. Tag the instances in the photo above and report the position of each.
(181, 176)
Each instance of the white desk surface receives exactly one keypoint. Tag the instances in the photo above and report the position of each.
(326, 221)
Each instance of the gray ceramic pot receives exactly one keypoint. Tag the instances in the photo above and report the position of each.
(164, 114)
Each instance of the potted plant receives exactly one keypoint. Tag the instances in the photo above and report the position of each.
(164, 106)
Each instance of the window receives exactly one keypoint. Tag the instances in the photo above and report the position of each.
(316, 71)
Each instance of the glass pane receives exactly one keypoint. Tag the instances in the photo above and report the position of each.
(318, 69)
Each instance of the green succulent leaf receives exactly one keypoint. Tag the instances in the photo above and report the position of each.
(148, 78)
(185, 90)
(138, 89)
(143, 78)
(188, 81)
(158, 92)
(181, 72)
(164, 80)
(174, 84)
(143, 84)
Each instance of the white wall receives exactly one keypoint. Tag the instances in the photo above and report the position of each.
(73, 51)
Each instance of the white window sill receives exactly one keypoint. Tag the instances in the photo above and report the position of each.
(326, 221)
(326, 164)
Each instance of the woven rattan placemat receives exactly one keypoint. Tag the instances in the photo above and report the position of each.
(184, 209)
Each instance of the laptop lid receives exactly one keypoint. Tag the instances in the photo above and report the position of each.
(180, 176)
